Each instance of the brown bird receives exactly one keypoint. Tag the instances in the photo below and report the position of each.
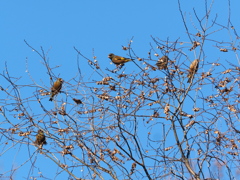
(40, 138)
(162, 62)
(193, 69)
(118, 59)
(57, 85)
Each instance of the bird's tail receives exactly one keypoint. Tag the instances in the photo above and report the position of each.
(126, 60)
(190, 77)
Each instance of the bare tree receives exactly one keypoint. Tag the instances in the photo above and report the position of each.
(143, 124)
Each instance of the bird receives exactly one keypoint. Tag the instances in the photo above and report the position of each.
(40, 138)
(162, 62)
(55, 89)
(118, 59)
(192, 69)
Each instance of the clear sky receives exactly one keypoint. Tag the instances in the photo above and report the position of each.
(101, 27)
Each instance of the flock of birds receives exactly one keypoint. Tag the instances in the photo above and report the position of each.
(118, 60)
(161, 64)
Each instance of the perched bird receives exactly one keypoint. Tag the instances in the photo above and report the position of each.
(193, 69)
(162, 62)
(57, 85)
(40, 138)
(118, 59)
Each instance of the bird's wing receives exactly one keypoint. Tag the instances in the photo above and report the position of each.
(56, 86)
(120, 58)
(194, 64)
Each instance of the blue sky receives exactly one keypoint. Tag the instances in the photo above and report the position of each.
(102, 26)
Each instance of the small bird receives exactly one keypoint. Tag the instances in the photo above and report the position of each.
(40, 138)
(193, 69)
(162, 62)
(118, 59)
(57, 85)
